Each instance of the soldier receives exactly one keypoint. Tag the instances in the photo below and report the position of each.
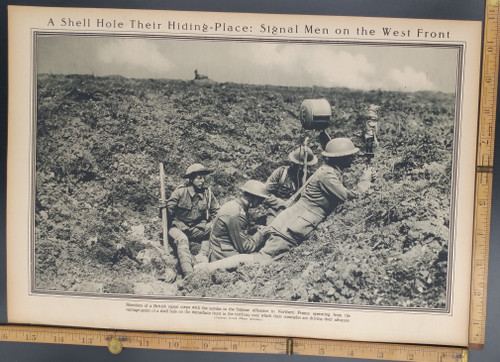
(371, 129)
(322, 194)
(191, 208)
(199, 76)
(286, 180)
(230, 234)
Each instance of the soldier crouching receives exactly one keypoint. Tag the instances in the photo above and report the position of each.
(285, 181)
(191, 208)
(231, 233)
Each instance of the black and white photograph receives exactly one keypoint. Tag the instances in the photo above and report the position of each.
(311, 172)
(293, 169)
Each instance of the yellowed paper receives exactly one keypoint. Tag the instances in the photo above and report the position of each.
(106, 71)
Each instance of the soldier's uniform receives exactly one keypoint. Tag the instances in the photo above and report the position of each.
(292, 226)
(190, 214)
(191, 211)
(322, 194)
(285, 181)
(371, 128)
(230, 233)
(282, 183)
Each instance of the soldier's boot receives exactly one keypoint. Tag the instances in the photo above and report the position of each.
(184, 255)
(202, 256)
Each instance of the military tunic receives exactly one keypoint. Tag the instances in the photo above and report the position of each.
(189, 211)
(230, 232)
(292, 226)
(370, 128)
(281, 184)
(370, 135)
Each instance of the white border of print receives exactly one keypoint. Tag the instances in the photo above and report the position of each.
(104, 312)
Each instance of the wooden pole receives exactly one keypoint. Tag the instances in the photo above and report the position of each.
(164, 219)
(304, 177)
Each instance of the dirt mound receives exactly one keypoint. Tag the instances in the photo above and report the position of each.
(99, 142)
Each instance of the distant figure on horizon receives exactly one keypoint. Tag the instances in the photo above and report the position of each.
(197, 75)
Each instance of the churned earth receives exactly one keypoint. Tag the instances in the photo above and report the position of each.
(99, 144)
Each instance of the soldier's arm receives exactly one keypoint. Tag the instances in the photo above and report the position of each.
(274, 202)
(272, 183)
(169, 204)
(172, 203)
(213, 207)
(332, 186)
(238, 233)
(272, 186)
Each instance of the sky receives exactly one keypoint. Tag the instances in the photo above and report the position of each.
(365, 67)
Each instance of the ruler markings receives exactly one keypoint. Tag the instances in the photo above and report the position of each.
(480, 259)
(483, 192)
(380, 351)
(270, 345)
(488, 97)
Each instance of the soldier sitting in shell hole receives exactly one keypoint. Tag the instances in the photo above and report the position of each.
(231, 232)
(191, 210)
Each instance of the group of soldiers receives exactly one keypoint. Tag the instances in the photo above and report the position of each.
(296, 202)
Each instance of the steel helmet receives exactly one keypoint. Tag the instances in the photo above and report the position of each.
(297, 156)
(255, 188)
(339, 147)
(195, 169)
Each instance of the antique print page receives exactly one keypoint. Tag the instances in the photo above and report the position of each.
(256, 174)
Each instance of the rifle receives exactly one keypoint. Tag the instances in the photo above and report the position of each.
(296, 195)
(164, 219)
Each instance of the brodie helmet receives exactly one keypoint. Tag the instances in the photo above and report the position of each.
(339, 147)
(303, 152)
(255, 188)
(196, 169)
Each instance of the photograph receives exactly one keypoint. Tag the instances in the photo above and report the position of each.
(299, 172)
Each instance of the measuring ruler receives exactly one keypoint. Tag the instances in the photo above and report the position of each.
(484, 174)
(117, 340)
